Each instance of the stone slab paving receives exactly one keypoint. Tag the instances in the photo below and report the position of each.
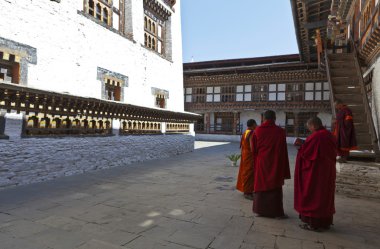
(184, 202)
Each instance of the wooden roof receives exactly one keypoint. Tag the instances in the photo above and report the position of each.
(24, 99)
(310, 15)
(269, 64)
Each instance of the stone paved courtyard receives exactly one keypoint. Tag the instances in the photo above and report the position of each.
(183, 202)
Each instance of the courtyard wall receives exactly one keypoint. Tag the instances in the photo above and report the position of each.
(29, 160)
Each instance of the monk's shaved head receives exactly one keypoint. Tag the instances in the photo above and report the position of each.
(315, 122)
(251, 123)
(269, 115)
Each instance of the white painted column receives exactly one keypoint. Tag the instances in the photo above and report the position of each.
(191, 130)
(163, 127)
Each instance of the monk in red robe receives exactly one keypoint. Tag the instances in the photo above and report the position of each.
(344, 131)
(271, 167)
(245, 177)
(314, 179)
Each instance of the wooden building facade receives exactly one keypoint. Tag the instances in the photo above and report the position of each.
(229, 92)
(343, 37)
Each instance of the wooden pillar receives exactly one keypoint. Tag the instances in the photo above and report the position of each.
(207, 123)
(2, 127)
(296, 124)
(235, 123)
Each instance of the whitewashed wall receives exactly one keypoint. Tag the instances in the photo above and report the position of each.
(70, 47)
(326, 118)
(246, 115)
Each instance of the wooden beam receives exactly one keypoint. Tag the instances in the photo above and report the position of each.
(315, 25)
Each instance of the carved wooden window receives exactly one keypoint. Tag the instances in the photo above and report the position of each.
(244, 93)
(309, 91)
(228, 93)
(301, 122)
(112, 89)
(199, 95)
(294, 92)
(213, 94)
(154, 33)
(160, 101)
(106, 11)
(224, 121)
(188, 95)
(9, 68)
(260, 92)
(276, 92)
(318, 91)
(326, 91)
(289, 123)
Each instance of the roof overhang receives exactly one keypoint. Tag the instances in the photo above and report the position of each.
(308, 16)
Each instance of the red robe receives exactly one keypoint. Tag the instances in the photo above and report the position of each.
(245, 177)
(270, 157)
(344, 130)
(314, 179)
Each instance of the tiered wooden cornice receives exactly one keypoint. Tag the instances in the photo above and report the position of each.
(370, 48)
(157, 8)
(261, 77)
(310, 15)
(171, 3)
(28, 100)
(257, 105)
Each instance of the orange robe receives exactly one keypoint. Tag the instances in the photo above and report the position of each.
(246, 173)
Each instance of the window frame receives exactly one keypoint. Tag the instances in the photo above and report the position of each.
(111, 9)
(244, 93)
(153, 39)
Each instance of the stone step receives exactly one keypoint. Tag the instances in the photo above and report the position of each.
(361, 126)
(350, 98)
(361, 118)
(343, 73)
(345, 81)
(341, 57)
(365, 147)
(346, 89)
(363, 139)
(342, 65)
(355, 108)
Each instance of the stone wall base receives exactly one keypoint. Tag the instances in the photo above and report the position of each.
(358, 179)
(30, 160)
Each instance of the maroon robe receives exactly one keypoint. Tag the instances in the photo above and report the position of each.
(345, 131)
(314, 179)
(271, 169)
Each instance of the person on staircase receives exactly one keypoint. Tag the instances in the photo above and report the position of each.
(344, 131)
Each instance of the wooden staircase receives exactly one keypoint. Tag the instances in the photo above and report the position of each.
(346, 83)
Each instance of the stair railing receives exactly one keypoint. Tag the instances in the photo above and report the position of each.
(375, 138)
(332, 99)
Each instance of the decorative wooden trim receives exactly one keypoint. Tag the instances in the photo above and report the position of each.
(28, 100)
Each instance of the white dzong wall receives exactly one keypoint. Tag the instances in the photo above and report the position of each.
(70, 47)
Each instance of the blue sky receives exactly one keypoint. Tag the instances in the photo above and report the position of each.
(226, 29)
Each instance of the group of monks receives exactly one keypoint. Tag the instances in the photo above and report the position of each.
(264, 167)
